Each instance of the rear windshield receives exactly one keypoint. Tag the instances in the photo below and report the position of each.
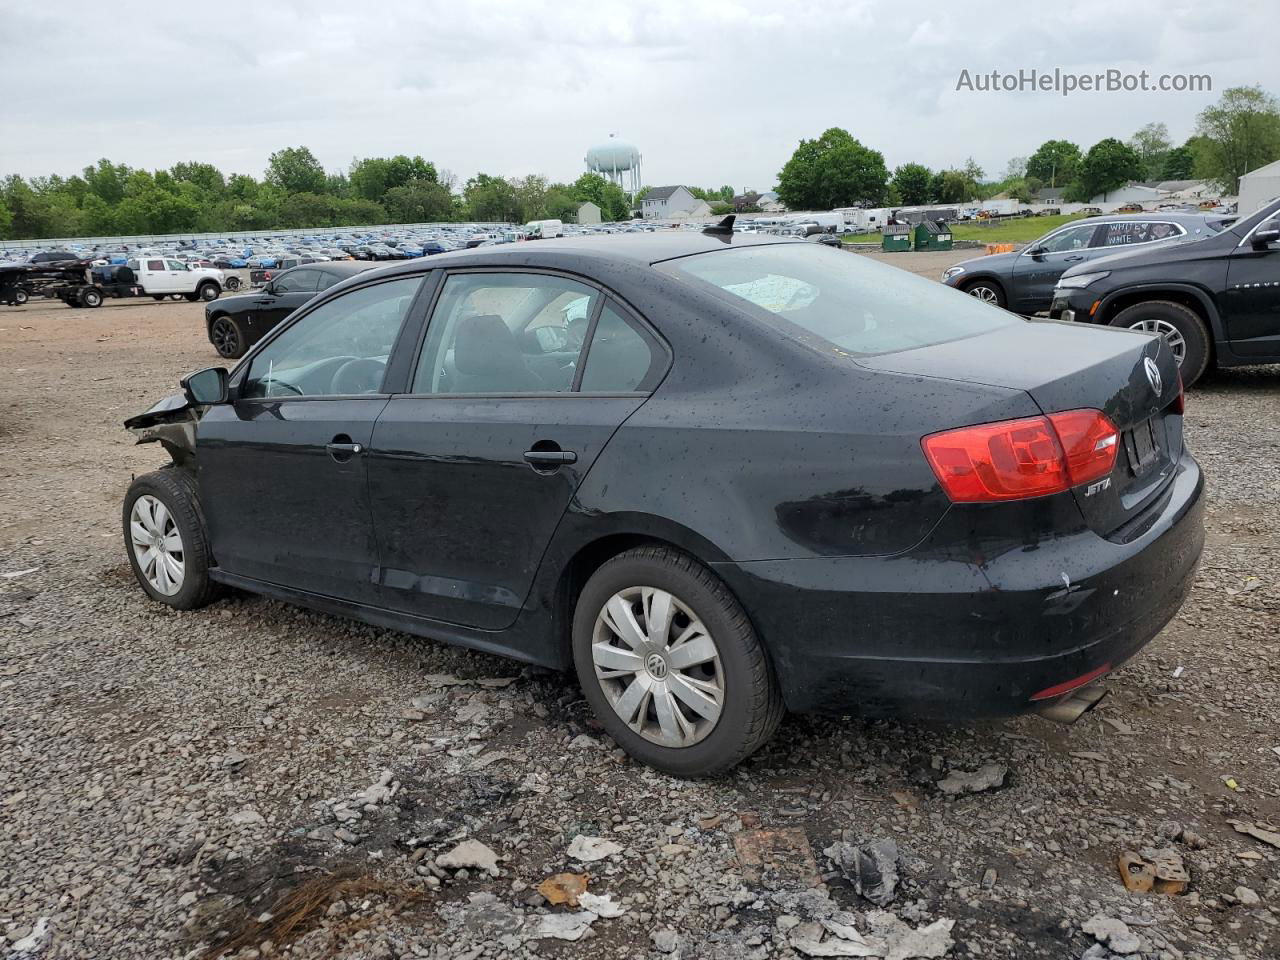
(849, 300)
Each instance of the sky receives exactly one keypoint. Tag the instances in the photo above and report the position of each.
(712, 92)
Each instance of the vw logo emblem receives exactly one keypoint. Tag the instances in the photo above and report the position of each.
(656, 666)
(1153, 375)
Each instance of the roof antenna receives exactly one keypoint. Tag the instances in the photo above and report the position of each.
(724, 226)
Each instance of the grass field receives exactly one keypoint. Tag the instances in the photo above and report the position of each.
(1016, 230)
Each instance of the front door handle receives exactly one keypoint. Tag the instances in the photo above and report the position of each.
(1073, 259)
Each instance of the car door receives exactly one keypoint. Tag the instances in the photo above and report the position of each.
(1037, 269)
(157, 277)
(1251, 301)
(282, 469)
(284, 294)
(471, 471)
(179, 277)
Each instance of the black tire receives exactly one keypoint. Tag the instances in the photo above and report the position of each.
(193, 297)
(208, 291)
(233, 283)
(227, 337)
(988, 291)
(175, 489)
(752, 704)
(1197, 350)
(158, 297)
(90, 297)
(20, 297)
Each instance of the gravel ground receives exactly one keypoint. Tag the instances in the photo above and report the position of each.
(271, 781)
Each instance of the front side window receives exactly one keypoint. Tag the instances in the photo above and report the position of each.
(850, 302)
(1064, 241)
(504, 333)
(338, 349)
(296, 281)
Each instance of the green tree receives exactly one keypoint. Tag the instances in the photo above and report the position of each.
(1055, 162)
(834, 170)
(490, 198)
(1241, 132)
(307, 210)
(419, 202)
(612, 200)
(107, 180)
(914, 182)
(372, 177)
(6, 219)
(1109, 164)
(1178, 164)
(954, 186)
(205, 176)
(1152, 144)
(296, 170)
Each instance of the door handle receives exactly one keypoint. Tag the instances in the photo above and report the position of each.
(1072, 259)
(341, 449)
(547, 458)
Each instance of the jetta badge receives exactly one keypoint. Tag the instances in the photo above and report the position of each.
(1153, 375)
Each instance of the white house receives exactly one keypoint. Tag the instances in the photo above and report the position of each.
(1130, 193)
(588, 212)
(1258, 187)
(665, 203)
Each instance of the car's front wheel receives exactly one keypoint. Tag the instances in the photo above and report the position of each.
(988, 291)
(165, 539)
(671, 665)
(1182, 329)
(225, 335)
(208, 291)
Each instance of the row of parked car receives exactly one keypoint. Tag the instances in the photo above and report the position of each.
(1208, 283)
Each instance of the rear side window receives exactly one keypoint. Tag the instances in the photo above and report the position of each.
(846, 300)
(1138, 231)
(297, 281)
(619, 358)
(155, 264)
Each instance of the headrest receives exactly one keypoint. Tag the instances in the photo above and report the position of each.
(483, 344)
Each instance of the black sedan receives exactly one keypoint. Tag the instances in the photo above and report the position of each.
(234, 324)
(720, 476)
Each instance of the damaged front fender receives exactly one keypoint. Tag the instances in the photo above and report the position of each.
(172, 424)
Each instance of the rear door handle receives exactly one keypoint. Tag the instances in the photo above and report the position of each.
(548, 458)
(1073, 259)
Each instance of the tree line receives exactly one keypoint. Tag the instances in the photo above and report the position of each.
(1233, 136)
(295, 191)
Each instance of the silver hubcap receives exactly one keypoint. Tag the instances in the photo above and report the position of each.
(985, 294)
(157, 545)
(658, 666)
(1177, 343)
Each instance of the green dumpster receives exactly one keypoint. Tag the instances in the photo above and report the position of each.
(896, 238)
(931, 235)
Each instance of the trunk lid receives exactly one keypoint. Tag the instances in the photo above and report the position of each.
(1131, 377)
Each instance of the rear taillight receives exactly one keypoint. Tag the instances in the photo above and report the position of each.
(1017, 459)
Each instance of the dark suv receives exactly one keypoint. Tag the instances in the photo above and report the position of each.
(1216, 300)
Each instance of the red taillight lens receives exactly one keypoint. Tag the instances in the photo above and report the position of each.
(1090, 442)
(1016, 459)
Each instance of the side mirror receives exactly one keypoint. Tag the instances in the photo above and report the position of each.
(1266, 234)
(206, 387)
(1037, 252)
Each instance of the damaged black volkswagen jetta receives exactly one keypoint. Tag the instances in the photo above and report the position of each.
(720, 476)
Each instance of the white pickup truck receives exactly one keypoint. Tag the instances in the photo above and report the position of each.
(161, 277)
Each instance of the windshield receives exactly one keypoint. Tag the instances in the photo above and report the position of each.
(848, 300)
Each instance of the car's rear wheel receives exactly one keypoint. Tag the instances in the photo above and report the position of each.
(158, 297)
(233, 283)
(988, 291)
(671, 665)
(165, 539)
(90, 297)
(225, 335)
(20, 297)
(1182, 329)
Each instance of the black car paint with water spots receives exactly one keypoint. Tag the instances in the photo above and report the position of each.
(791, 468)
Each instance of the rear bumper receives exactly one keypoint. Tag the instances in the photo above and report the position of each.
(963, 625)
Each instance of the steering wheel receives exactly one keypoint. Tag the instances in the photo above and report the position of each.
(359, 375)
